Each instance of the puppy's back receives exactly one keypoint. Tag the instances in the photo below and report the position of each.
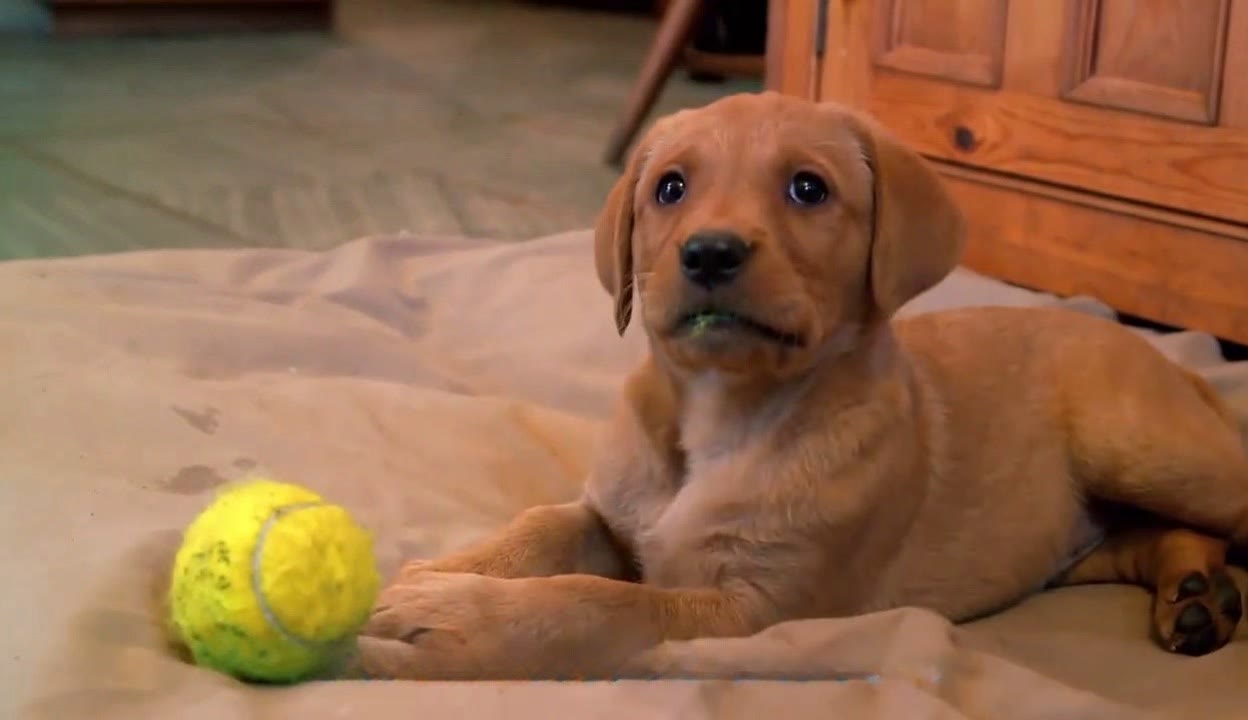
(1002, 354)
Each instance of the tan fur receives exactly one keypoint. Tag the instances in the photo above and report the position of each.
(946, 461)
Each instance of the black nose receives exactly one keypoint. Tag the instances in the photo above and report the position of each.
(713, 258)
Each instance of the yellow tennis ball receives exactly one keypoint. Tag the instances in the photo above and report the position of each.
(272, 583)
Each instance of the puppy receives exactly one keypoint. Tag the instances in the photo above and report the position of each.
(789, 451)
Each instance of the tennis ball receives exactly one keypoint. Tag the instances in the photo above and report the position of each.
(272, 583)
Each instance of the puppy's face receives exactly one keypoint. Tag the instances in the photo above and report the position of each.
(751, 234)
(750, 230)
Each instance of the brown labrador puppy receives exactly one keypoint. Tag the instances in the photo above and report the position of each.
(788, 451)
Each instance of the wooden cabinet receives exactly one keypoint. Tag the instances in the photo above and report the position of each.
(1097, 146)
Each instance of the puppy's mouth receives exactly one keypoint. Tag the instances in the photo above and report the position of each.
(707, 321)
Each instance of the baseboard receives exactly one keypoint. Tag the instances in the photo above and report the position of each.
(77, 18)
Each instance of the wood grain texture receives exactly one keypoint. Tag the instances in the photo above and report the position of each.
(1150, 56)
(1148, 213)
(962, 41)
(1234, 109)
(846, 73)
(1192, 169)
(791, 64)
(1145, 267)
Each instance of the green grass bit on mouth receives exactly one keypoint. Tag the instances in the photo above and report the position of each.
(705, 321)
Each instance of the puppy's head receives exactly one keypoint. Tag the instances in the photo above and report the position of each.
(762, 230)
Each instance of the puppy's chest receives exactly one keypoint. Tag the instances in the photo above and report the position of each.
(699, 496)
(679, 540)
(717, 436)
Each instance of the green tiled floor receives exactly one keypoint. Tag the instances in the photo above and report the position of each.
(481, 118)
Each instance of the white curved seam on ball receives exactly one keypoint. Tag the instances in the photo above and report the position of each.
(256, 556)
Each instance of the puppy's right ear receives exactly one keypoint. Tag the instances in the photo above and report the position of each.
(613, 244)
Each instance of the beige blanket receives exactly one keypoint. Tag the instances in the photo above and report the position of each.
(436, 387)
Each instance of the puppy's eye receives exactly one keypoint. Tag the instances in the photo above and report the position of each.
(807, 189)
(671, 189)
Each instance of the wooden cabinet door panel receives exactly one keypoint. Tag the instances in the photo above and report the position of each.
(1097, 146)
(1119, 97)
(961, 40)
(1146, 160)
(1156, 57)
(1059, 242)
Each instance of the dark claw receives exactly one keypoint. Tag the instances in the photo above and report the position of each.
(1193, 585)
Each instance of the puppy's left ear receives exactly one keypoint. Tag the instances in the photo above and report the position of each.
(917, 231)
(613, 244)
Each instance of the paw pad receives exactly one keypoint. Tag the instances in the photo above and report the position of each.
(1202, 615)
(1228, 599)
(1193, 585)
(1194, 618)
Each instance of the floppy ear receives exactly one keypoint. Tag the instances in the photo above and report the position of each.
(917, 231)
(613, 244)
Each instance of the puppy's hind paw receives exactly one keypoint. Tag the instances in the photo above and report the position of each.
(1198, 613)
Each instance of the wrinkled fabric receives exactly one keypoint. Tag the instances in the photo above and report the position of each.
(435, 387)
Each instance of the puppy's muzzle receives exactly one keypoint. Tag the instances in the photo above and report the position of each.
(713, 258)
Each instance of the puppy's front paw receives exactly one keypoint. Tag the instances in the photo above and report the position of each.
(411, 569)
(435, 625)
(1197, 613)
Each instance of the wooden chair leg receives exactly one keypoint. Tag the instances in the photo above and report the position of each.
(669, 42)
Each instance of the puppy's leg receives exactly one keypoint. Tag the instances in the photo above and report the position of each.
(560, 543)
(541, 541)
(457, 626)
(1147, 434)
(1157, 438)
(1196, 604)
